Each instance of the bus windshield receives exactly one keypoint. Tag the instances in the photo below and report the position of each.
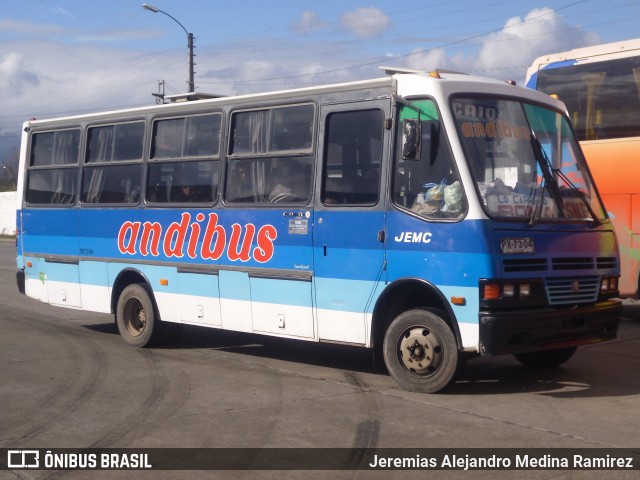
(526, 161)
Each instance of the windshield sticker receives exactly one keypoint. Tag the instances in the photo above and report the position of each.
(518, 205)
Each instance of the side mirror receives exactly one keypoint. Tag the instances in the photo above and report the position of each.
(411, 136)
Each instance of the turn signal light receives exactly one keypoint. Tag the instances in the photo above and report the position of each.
(491, 291)
(512, 290)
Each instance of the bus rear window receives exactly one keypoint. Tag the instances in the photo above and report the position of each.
(53, 167)
(55, 148)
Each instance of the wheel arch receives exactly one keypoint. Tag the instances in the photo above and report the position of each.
(125, 278)
(407, 294)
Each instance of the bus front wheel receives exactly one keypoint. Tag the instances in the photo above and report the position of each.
(420, 351)
(136, 316)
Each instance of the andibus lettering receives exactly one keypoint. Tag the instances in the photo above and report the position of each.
(195, 239)
(495, 130)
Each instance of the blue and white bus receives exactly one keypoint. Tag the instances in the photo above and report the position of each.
(426, 216)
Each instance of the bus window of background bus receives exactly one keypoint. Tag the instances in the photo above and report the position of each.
(112, 171)
(602, 98)
(53, 167)
(184, 161)
(428, 186)
(353, 155)
(270, 155)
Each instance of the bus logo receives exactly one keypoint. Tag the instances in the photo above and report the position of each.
(23, 458)
(191, 236)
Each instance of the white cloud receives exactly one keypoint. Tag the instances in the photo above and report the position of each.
(14, 79)
(508, 52)
(62, 12)
(521, 41)
(309, 22)
(366, 22)
(29, 28)
(47, 79)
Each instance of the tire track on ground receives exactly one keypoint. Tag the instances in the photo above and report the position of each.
(79, 354)
(368, 429)
(367, 433)
(164, 396)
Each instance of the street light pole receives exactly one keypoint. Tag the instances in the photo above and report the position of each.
(191, 82)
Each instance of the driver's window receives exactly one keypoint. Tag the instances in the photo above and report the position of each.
(429, 185)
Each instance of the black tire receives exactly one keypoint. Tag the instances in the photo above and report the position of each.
(137, 316)
(546, 358)
(420, 351)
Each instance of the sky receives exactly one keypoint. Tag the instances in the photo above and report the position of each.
(69, 57)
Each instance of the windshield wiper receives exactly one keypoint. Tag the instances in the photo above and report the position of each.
(537, 211)
(578, 193)
(549, 173)
(547, 183)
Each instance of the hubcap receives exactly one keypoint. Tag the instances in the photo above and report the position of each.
(420, 351)
(135, 317)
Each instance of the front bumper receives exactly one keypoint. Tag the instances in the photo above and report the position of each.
(517, 331)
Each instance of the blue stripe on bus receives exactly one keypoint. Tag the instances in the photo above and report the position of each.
(415, 249)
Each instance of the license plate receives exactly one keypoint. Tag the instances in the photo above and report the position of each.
(517, 245)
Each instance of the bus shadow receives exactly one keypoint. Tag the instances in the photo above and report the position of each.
(341, 357)
(192, 337)
(584, 376)
(581, 377)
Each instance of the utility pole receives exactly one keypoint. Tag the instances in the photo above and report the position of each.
(160, 95)
(191, 81)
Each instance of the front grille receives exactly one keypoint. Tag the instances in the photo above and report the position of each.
(565, 290)
(606, 263)
(572, 263)
(559, 264)
(525, 265)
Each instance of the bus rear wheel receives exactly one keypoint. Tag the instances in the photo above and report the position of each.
(136, 316)
(420, 351)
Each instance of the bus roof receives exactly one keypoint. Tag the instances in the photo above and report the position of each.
(593, 53)
(398, 82)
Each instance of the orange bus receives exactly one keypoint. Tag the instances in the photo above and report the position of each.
(600, 86)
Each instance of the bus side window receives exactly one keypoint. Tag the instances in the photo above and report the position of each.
(270, 155)
(352, 158)
(183, 164)
(112, 171)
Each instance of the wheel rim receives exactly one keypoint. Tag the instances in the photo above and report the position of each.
(420, 351)
(135, 317)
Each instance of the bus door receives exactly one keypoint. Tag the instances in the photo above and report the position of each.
(349, 227)
(265, 277)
